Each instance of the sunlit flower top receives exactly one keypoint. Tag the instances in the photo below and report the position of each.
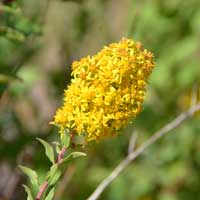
(106, 91)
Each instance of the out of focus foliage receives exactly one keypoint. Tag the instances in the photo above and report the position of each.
(38, 42)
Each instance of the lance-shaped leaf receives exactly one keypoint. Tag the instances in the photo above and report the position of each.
(28, 191)
(31, 174)
(50, 194)
(57, 146)
(71, 157)
(48, 149)
(54, 174)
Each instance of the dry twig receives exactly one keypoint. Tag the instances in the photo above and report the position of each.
(132, 142)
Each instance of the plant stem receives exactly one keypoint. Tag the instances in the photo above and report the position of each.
(45, 184)
(41, 191)
(61, 155)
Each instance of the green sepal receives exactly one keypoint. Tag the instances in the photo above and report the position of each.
(48, 150)
(54, 174)
(50, 194)
(28, 191)
(65, 138)
(31, 174)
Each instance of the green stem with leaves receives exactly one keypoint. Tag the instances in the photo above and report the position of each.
(45, 184)
(45, 191)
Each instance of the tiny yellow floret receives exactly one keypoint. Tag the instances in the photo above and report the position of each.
(106, 91)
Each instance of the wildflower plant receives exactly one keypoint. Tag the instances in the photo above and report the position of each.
(106, 92)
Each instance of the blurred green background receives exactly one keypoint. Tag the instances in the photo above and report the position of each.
(38, 42)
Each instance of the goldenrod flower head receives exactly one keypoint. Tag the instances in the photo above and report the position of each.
(106, 91)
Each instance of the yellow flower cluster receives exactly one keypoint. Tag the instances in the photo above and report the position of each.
(106, 91)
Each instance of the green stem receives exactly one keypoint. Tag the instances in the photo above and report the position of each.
(45, 184)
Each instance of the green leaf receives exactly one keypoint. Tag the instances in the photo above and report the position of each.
(71, 157)
(31, 174)
(58, 147)
(50, 195)
(48, 149)
(28, 191)
(54, 174)
(65, 138)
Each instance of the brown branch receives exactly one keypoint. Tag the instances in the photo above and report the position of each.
(132, 156)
